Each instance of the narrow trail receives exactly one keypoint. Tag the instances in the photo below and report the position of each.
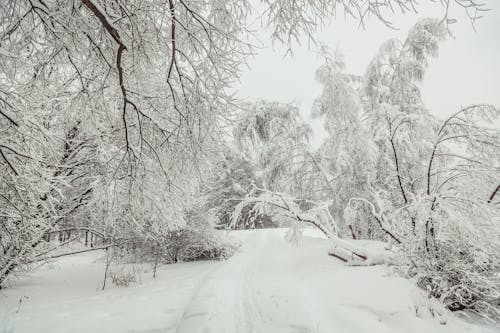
(271, 285)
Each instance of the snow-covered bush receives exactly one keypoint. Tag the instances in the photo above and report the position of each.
(197, 239)
(121, 278)
(203, 240)
(462, 276)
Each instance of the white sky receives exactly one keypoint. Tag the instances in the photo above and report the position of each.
(466, 72)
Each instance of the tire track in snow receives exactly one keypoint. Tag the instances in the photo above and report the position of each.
(224, 302)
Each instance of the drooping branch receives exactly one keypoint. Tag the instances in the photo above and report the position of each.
(119, 54)
(104, 247)
(173, 57)
(335, 239)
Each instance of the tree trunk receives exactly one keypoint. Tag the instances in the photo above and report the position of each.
(156, 258)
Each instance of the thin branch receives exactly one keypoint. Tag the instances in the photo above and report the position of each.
(104, 247)
(492, 196)
(10, 119)
(8, 162)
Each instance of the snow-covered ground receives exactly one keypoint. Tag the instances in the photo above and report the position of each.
(269, 285)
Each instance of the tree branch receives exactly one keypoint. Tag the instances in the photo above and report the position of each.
(492, 196)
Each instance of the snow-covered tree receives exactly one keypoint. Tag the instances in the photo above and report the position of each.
(273, 136)
(396, 116)
(232, 179)
(347, 155)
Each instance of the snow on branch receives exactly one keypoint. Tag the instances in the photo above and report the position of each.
(479, 144)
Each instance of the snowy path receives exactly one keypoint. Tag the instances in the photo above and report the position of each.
(258, 290)
(276, 287)
(269, 286)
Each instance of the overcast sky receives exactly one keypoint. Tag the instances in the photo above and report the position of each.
(466, 72)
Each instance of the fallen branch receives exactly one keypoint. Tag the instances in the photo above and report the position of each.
(333, 254)
(346, 256)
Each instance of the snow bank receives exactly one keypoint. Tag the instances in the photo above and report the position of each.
(68, 298)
